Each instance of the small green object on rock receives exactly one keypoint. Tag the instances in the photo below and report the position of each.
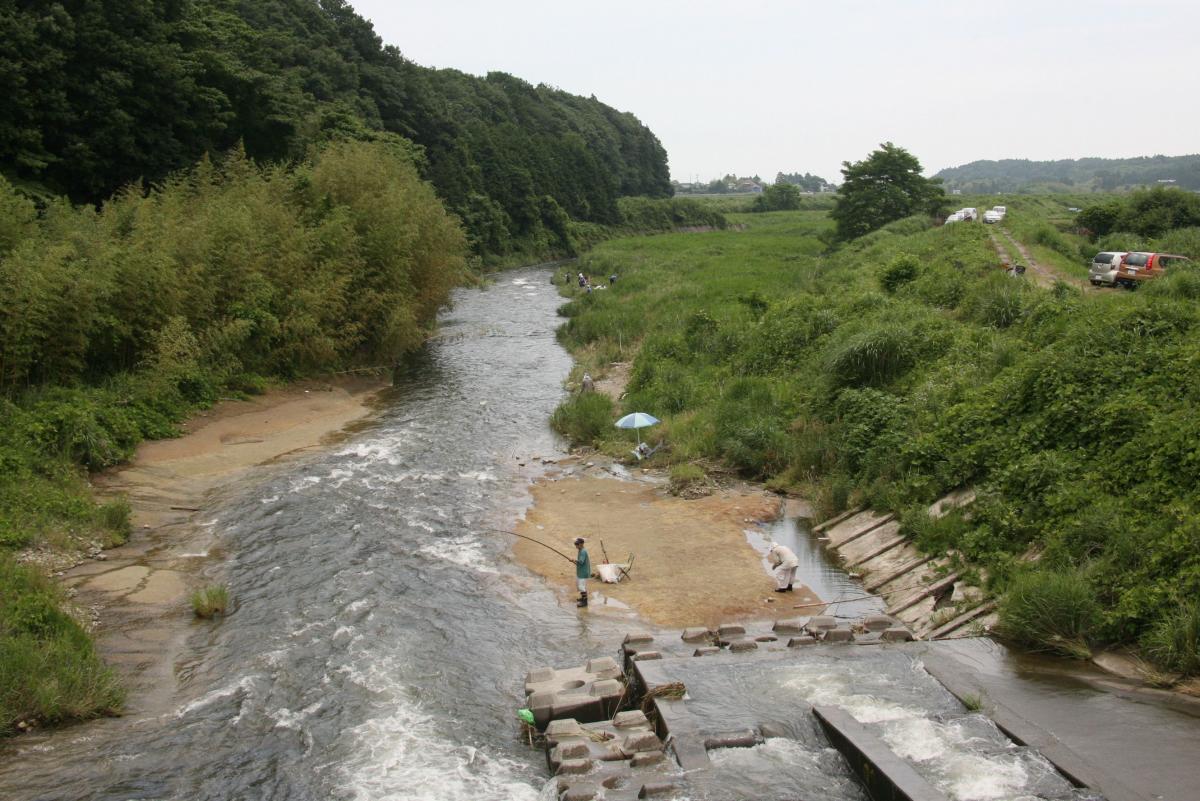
(525, 715)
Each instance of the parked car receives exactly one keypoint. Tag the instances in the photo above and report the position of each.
(1002, 209)
(955, 217)
(1138, 266)
(992, 216)
(1104, 266)
(969, 213)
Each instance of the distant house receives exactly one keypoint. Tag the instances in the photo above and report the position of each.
(747, 185)
(956, 191)
(1166, 180)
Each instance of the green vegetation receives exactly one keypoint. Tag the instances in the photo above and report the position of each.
(685, 478)
(904, 364)
(1050, 611)
(1072, 175)
(778, 197)
(49, 671)
(884, 187)
(1174, 643)
(1157, 219)
(210, 601)
(584, 417)
(101, 95)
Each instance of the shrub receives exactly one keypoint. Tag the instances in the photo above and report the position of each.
(870, 358)
(1174, 642)
(584, 417)
(1047, 610)
(210, 601)
(899, 271)
(114, 517)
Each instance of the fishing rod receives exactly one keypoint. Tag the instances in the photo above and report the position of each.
(531, 539)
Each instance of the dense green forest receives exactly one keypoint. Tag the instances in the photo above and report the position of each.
(1072, 175)
(103, 93)
(903, 364)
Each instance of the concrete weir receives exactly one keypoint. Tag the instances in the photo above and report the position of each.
(661, 747)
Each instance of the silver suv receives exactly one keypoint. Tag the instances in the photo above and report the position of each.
(1103, 270)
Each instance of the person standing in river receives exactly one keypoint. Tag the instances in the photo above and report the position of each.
(785, 563)
(583, 571)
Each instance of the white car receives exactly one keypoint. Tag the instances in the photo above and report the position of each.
(955, 217)
(992, 216)
(1002, 209)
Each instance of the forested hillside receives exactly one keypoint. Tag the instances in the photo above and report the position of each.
(1023, 175)
(99, 94)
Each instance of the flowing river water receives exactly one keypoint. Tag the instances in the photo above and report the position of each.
(381, 633)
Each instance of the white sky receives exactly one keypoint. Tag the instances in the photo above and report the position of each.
(762, 86)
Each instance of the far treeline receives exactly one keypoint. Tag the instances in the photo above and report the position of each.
(902, 364)
(1073, 175)
(102, 94)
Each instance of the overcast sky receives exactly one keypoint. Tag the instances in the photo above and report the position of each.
(758, 87)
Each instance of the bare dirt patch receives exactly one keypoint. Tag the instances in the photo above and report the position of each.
(692, 562)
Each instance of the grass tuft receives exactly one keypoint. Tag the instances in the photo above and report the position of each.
(1050, 611)
(210, 601)
(1174, 643)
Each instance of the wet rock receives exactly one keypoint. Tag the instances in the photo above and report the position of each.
(896, 634)
(803, 639)
(575, 766)
(708, 650)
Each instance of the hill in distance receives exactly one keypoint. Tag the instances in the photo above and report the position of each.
(1073, 175)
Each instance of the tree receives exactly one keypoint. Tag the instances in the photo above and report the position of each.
(781, 196)
(884, 187)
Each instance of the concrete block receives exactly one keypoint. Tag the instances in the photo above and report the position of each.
(566, 727)
(706, 651)
(766, 639)
(821, 623)
(570, 750)
(838, 635)
(803, 639)
(897, 634)
(650, 789)
(792, 626)
(585, 792)
(642, 656)
(605, 667)
(638, 638)
(573, 767)
(645, 758)
(630, 719)
(738, 646)
(538, 676)
(730, 629)
(878, 622)
(694, 634)
(641, 741)
(606, 687)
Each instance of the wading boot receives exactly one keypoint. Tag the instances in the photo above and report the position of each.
(789, 588)
(781, 589)
(582, 600)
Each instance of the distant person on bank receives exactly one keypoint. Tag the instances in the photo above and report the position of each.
(785, 563)
(583, 571)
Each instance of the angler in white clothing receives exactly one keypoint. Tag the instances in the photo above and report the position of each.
(785, 563)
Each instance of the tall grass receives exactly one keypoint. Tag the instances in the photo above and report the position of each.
(1174, 643)
(210, 601)
(1050, 611)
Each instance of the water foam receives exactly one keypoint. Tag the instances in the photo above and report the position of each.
(404, 757)
(462, 551)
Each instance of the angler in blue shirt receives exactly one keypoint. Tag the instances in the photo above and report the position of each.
(583, 571)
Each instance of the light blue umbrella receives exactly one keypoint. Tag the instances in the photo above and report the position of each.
(637, 420)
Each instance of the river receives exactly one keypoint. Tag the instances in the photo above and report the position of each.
(381, 633)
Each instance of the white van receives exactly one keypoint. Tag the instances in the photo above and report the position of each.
(969, 213)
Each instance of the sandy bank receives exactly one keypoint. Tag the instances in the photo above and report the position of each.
(693, 564)
(138, 592)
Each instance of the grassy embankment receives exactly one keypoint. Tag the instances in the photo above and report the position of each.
(905, 365)
(116, 324)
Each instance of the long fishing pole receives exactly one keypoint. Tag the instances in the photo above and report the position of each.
(531, 539)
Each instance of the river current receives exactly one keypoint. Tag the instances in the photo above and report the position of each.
(381, 632)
